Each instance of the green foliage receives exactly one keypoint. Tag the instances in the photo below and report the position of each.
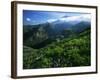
(68, 52)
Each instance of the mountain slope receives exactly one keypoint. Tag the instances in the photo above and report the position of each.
(37, 34)
(68, 52)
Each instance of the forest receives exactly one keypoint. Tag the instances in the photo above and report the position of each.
(43, 48)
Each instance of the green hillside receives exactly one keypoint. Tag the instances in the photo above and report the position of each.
(68, 52)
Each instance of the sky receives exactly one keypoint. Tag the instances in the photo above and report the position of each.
(31, 17)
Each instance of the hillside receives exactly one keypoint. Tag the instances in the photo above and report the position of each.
(70, 51)
(45, 33)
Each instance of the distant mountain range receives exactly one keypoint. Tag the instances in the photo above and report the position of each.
(54, 29)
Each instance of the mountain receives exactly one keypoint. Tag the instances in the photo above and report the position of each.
(34, 35)
(48, 32)
(60, 25)
(81, 26)
(70, 22)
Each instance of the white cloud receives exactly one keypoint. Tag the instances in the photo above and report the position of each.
(28, 19)
(85, 17)
(72, 18)
(51, 20)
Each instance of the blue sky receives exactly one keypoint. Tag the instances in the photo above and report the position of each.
(31, 17)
